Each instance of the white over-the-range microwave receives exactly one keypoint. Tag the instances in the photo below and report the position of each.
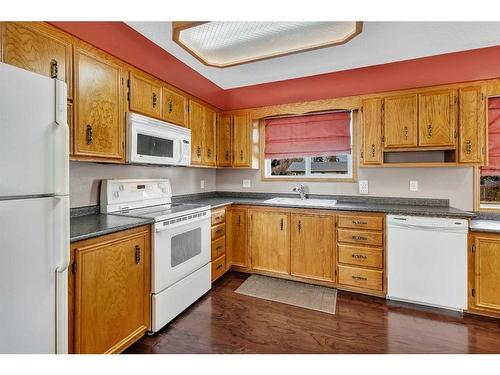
(151, 141)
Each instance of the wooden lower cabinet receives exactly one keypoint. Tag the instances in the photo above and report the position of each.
(237, 222)
(484, 273)
(313, 246)
(109, 291)
(270, 240)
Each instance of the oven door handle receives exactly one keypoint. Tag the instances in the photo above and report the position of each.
(160, 227)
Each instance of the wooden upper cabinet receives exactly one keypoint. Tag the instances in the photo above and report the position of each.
(145, 96)
(372, 132)
(98, 106)
(242, 140)
(196, 115)
(112, 291)
(471, 125)
(236, 240)
(174, 107)
(224, 140)
(485, 274)
(437, 118)
(209, 129)
(39, 48)
(400, 121)
(312, 246)
(270, 240)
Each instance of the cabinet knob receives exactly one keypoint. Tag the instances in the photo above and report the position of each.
(90, 134)
(154, 100)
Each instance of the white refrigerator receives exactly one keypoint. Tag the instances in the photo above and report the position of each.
(34, 212)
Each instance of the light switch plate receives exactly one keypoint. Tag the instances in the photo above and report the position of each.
(413, 185)
(202, 184)
(363, 186)
(247, 183)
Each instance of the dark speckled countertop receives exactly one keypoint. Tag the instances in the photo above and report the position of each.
(86, 222)
(95, 225)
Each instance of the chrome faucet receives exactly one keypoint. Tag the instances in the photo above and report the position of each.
(301, 189)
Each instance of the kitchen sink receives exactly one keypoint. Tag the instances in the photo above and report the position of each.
(302, 202)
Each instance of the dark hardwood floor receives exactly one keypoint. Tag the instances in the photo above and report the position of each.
(223, 321)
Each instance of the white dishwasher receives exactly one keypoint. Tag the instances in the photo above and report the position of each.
(427, 261)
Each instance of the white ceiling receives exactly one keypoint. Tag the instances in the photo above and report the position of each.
(379, 43)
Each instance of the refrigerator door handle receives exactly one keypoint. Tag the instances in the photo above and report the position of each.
(62, 236)
(61, 149)
(64, 233)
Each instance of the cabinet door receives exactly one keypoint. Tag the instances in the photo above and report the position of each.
(37, 47)
(437, 118)
(400, 121)
(237, 237)
(312, 246)
(270, 241)
(242, 139)
(224, 135)
(487, 272)
(209, 150)
(471, 125)
(174, 107)
(196, 115)
(99, 116)
(111, 293)
(371, 153)
(145, 96)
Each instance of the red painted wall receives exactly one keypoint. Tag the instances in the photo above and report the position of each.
(448, 68)
(120, 40)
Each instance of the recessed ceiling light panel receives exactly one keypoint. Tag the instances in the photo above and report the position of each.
(223, 44)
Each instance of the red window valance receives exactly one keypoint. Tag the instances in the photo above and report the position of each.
(312, 135)
(493, 167)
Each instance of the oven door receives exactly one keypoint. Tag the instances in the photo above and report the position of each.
(149, 144)
(180, 247)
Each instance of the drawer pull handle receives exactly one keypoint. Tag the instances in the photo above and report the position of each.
(54, 69)
(429, 131)
(209, 153)
(198, 151)
(468, 144)
(218, 217)
(170, 106)
(219, 267)
(218, 247)
(90, 134)
(359, 256)
(300, 226)
(373, 150)
(137, 254)
(154, 99)
(359, 238)
(281, 224)
(241, 155)
(405, 132)
(359, 222)
(218, 231)
(359, 278)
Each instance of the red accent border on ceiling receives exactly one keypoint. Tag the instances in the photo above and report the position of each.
(123, 42)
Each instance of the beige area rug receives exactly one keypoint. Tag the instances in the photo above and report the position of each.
(294, 293)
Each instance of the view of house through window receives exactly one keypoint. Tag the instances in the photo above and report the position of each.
(312, 146)
(490, 174)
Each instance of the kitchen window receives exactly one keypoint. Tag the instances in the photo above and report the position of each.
(316, 146)
(489, 175)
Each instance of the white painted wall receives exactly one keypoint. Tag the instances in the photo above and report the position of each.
(85, 179)
(455, 184)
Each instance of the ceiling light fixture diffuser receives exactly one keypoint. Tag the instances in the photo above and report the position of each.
(224, 44)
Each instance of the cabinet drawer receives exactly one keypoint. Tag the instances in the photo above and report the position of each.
(219, 216)
(362, 222)
(360, 277)
(218, 267)
(360, 237)
(361, 256)
(218, 247)
(218, 231)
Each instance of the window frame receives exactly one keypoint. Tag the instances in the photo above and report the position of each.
(353, 159)
(495, 208)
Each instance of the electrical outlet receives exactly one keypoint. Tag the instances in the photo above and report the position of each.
(247, 183)
(363, 186)
(202, 184)
(413, 185)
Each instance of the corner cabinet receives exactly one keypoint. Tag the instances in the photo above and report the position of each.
(484, 273)
(99, 125)
(235, 140)
(109, 288)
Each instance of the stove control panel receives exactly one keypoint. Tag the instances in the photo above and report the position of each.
(127, 194)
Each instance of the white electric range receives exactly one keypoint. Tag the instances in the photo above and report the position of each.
(181, 271)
